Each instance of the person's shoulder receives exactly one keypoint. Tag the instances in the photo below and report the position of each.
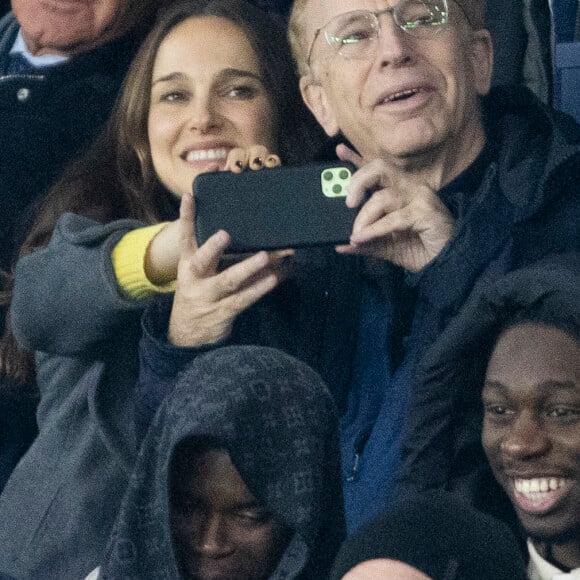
(519, 107)
(8, 22)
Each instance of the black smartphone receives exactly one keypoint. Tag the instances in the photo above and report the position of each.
(284, 207)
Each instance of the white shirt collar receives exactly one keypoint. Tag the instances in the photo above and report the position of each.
(540, 569)
(19, 46)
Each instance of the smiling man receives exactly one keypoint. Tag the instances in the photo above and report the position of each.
(516, 346)
(531, 435)
(455, 186)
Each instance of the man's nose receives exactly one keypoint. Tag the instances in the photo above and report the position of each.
(526, 438)
(211, 538)
(394, 46)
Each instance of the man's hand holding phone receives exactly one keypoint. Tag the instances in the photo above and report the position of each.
(400, 221)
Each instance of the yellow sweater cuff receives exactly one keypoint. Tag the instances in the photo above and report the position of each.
(129, 264)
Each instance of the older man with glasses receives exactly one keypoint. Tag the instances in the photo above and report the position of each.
(456, 185)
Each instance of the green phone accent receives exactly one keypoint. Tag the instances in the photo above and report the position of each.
(334, 181)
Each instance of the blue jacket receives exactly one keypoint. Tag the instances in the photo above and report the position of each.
(524, 205)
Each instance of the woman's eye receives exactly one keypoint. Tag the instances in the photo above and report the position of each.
(173, 97)
(242, 92)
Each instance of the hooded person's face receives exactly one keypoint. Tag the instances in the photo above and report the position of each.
(219, 530)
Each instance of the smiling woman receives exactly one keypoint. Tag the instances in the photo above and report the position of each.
(211, 89)
(204, 105)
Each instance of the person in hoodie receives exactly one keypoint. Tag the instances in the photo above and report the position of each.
(456, 185)
(516, 347)
(237, 478)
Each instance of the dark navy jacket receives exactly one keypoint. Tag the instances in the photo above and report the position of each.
(525, 205)
(46, 117)
(311, 316)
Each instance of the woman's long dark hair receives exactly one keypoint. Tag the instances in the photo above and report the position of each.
(115, 178)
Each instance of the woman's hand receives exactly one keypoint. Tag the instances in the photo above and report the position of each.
(207, 301)
(255, 158)
(402, 221)
(163, 253)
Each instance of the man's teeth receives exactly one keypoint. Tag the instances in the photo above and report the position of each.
(205, 154)
(401, 95)
(539, 484)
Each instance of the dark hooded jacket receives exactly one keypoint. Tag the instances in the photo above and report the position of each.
(276, 419)
(443, 447)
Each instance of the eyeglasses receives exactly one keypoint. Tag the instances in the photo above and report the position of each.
(353, 35)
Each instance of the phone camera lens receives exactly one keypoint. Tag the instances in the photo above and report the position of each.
(327, 175)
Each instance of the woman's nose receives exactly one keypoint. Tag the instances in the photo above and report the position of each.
(203, 115)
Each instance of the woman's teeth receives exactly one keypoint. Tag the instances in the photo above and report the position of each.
(206, 154)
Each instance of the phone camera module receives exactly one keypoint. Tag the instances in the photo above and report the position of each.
(334, 181)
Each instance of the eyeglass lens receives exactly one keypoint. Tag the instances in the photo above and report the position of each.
(353, 34)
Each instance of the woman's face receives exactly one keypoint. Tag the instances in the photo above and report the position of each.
(207, 97)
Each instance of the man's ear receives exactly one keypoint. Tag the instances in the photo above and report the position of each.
(482, 60)
(315, 98)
